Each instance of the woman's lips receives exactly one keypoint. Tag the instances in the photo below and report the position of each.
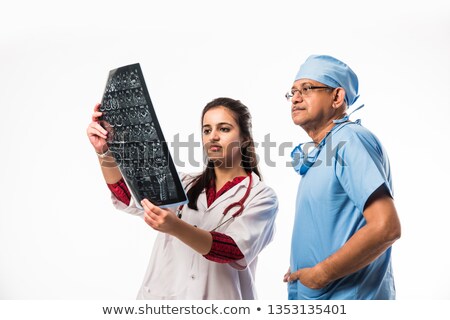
(215, 148)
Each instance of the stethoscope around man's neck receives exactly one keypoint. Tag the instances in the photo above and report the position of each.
(239, 204)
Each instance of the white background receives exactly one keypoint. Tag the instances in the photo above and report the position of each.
(60, 237)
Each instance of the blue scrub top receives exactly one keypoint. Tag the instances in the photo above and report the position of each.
(330, 200)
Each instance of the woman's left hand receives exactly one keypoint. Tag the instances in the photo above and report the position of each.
(162, 220)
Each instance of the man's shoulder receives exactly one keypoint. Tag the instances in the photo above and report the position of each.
(356, 138)
(356, 128)
(355, 131)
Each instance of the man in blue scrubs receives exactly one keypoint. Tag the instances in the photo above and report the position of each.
(345, 220)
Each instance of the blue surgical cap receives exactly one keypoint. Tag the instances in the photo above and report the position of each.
(331, 72)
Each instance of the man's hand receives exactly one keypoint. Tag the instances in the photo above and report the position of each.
(313, 278)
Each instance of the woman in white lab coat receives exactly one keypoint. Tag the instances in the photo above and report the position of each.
(203, 250)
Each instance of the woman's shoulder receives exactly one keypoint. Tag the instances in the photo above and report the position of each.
(187, 178)
(263, 190)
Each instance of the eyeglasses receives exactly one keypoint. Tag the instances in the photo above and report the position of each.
(303, 91)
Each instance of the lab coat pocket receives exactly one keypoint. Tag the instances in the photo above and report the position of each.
(147, 294)
(167, 241)
(164, 276)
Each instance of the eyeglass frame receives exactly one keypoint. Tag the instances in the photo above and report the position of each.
(306, 91)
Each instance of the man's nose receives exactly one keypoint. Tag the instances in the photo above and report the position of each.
(297, 97)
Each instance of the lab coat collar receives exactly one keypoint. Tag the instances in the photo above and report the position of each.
(230, 193)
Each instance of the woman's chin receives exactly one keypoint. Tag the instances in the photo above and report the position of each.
(218, 161)
(213, 156)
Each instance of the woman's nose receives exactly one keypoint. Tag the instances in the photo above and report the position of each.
(214, 136)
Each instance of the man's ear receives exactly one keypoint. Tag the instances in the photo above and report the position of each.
(339, 97)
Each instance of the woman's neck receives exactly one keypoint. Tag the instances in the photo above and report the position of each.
(223, 175)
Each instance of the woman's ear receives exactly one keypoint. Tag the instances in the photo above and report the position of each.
(339, 98)
(245, 143)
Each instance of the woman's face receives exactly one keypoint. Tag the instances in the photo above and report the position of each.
(222, 137)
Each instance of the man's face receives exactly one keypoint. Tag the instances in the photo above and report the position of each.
(313, 107)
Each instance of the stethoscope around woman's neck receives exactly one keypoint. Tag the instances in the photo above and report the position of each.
(239, 204)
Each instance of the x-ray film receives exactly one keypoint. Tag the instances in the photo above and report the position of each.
(136, 141)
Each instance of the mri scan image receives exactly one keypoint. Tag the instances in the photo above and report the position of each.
(136, 141)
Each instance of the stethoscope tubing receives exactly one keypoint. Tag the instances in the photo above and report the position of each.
(239, 203)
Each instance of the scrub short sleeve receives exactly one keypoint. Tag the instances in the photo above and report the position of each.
(361, 168)
(254, 229)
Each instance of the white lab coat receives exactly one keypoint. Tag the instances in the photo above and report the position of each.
(176, 271)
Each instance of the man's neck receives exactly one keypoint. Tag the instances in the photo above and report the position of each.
(318, 132)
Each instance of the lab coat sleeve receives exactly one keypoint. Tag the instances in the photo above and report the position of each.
(132, 208)
(253, 230)
(135, 209)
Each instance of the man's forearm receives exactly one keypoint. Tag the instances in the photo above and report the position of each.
(359, 251)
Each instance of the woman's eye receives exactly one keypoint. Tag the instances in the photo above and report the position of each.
(206, 131)
(225, 129)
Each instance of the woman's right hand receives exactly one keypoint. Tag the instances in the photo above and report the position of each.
(96, 133)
